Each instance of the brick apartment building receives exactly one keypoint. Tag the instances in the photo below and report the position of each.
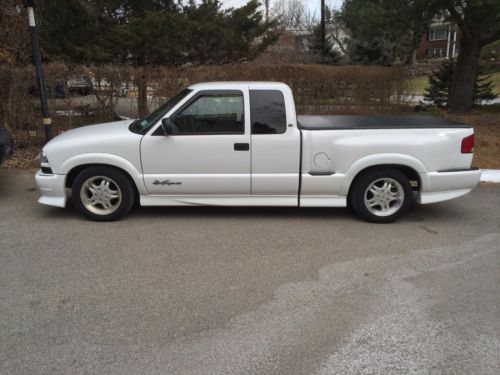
(440, 41)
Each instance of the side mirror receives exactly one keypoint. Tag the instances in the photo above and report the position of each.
(168, 127)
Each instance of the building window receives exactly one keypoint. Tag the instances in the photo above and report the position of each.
(436, 52)
(440, 33)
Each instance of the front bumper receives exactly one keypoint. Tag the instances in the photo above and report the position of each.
(445, 185)
(52, 189)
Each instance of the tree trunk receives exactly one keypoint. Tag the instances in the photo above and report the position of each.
(142, 94)
(413, 57)
(462, 85)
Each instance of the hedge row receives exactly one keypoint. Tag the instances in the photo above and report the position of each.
(318, 89)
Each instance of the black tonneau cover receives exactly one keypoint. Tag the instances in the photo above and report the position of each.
(376, 122)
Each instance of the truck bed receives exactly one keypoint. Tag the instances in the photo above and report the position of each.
(375, 122)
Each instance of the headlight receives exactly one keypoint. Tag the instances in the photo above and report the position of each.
(44, 164)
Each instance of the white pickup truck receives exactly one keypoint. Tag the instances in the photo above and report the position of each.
(242, 144)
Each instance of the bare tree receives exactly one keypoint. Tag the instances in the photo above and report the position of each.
(338, 33)
(290, 13)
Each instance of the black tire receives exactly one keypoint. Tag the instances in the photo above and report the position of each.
(123, 187)
(397, 208)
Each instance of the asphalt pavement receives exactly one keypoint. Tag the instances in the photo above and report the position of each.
(197, 290)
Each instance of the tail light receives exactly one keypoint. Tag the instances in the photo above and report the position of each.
(468, 144)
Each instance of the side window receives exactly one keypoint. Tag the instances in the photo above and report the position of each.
(212, 114)
(267, 112)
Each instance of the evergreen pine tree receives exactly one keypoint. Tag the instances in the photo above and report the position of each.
(440, 84)
(329, 54)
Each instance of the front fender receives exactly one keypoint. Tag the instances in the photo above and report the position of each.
(104, 159)
(380, 160)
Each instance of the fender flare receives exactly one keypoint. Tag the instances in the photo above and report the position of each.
(381, 160)
(105, 159)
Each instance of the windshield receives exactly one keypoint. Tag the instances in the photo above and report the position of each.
(141, 125)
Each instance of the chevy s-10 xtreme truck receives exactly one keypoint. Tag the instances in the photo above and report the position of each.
(242, 144)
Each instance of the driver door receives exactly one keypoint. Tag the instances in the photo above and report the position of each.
(208, 154)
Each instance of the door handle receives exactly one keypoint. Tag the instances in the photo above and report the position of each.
(241, 147)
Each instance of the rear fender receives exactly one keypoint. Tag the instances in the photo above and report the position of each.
(382, 160)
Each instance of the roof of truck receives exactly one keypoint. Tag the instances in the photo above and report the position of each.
(233, 84)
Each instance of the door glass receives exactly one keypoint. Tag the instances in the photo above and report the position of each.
(267, 112)
(212, 114)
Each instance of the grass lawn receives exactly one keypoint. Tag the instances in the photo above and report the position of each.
(495, 77)
(419, 84)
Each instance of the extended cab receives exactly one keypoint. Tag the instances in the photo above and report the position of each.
(242, 144)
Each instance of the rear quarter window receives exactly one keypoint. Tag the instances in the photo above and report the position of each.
(267, 112)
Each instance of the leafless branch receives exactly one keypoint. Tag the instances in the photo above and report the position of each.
(290, 13)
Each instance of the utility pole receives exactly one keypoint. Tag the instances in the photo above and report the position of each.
(323, 28)
(267, 11)
(47, 121)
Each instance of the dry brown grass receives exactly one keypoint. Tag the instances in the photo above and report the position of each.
(486, 124)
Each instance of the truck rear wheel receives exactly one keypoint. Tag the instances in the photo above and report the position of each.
(102, 193)
(381, 195)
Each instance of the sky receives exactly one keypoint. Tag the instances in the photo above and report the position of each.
(312, 5)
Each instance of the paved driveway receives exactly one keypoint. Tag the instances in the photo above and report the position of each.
(248, 291)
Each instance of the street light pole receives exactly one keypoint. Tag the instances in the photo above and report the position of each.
(47, 121)
(323, 26)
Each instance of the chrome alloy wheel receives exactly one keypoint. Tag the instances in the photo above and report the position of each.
(100, 195)
(384, 197)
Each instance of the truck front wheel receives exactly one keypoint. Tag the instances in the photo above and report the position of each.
(381, 195)
(102, 193)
